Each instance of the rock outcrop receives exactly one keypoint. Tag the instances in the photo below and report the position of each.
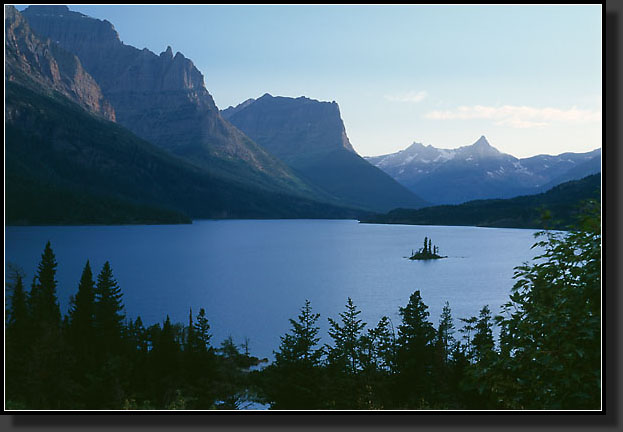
(41, 64)
(163, 99)
(310, 137)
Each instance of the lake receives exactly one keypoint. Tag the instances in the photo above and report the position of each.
(252, 275)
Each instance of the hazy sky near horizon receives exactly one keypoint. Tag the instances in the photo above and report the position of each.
(528, 77)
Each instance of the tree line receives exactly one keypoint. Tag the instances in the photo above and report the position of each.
(547, 356)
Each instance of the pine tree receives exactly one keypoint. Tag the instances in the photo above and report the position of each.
(18, 336)
(297, 347)
(483, 338)
(18, 316)
(201, 331)
(82, 312)
(346, 352)
(415, 353)
(467, 329)
(109, 314)
(43, 301)
(445, 333)
(294, 379)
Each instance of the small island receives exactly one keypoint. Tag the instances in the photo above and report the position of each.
(428, 252)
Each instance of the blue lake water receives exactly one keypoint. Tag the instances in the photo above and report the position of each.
(252, 275)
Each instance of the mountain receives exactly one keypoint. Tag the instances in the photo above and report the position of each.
(562, 203)
(163, 99)
(42, 64)
(67, 163)
(310, 137)
(480, 171)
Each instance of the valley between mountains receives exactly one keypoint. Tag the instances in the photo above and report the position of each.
(100, 132)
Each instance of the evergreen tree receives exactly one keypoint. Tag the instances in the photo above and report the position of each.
(43, 301)
(109, 311)
(483, 338)
(201, 331)
(18, 316)
(415, 353)
(81, 319)
(467, 329)
(345, 354)
(293, 381)
(298, 346)
(17, 335)
(445, 333)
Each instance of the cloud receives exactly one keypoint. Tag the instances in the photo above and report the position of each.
(518, 116)
(411, 96)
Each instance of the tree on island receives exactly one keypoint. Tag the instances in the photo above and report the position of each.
(429, 251)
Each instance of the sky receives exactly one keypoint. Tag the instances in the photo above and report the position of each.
(528, 77)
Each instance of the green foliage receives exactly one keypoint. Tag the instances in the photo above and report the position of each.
(298, 346)
(548, 355)
(427, 252)
(552, 323)
(201, 331)
(344, 354)
(293, 381)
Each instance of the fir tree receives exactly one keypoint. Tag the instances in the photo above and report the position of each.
(345, 353)
(201, 331)
(109, 310)
(298, 346)
(445, 333)
(43, 301)
(415, 354)
(82, 311)
(483, 338)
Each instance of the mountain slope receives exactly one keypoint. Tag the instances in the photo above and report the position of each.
(54, 148)
(562, 203)
(66, 163)
(480, 171)
(163, 99)
(41, 65)
(310, 137)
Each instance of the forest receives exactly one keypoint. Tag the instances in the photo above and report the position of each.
(547, 355)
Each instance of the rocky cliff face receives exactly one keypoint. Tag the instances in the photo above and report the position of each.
(163, 99)
(310, 137)
(42, 65)
(289, 128)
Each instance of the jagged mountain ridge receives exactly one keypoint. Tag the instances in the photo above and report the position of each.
(163, 99)
(42, 64)
(480, 171)
(310, 136)
(65, 163)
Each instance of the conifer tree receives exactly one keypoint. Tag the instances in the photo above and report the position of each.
(294, 379)
(445, 333)
(82, 311)
(298, 346)
(483, 338)
(345, 354)
(43, 301)
(201, 331)
(17, 341)
(415, 353)
(109, 310)
(18, 316)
